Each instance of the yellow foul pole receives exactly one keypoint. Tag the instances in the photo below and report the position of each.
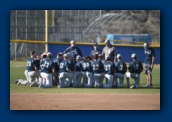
(46, 30)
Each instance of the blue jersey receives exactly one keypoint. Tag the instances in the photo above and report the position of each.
(72, 64)
(93, 52)
(86, 66)
(97, 66)
(56, 64)
(135, 67)
(120, 67)
(74, 51)
(64, 66)
(46, 65)
(149, 52)
(78, 66)
(31, 64)
(109, 68)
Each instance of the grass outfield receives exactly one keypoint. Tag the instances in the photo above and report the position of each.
(17, 71)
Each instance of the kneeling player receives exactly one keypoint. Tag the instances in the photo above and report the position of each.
(120, 68)
(109, 71)
(65, 74)
(135, 68)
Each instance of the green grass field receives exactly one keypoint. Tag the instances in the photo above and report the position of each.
(17, 71)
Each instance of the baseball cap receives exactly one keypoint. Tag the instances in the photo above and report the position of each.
(78, 57)
(49, 53)
(60, 53)
(107, 40)
(95, 44)
(133, 55)
(44, 53)
(72, 42)
(119, 55)
(107, 58)
(145, 45)
(65, 55)
(100, 55)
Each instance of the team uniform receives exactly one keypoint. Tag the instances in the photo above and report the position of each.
(135, 68)
(109, 73)
(74, 51)
(149, 52)
(46, 73)
(56, 64)
(87, 74)
(77, 75)
(120, 68)
(97, 68)
(32, 73)
(65, 74)
(93, 52)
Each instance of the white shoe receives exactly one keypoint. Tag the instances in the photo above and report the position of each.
(133, 87)
(33, 84)
(19, 82)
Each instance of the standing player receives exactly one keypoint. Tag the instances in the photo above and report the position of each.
(56, 63)
(46, 71)
(97, 67)
(109, 72)
(135, 68)
(95, 51)
(65, 74)
(74, 50)
(120, 68)
(149, 63)
(109, 51)
(87, 72)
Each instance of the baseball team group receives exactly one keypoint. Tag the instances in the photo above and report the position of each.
(71, 69)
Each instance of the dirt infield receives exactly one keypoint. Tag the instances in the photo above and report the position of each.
(54, 101)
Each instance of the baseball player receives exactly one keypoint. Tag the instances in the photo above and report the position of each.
(74, 50)
(36, 63)
(77, 73)
(95, 51)
(109, 69)
(109, 51)
(149, 63)
(135, 68)
(56, 64)
(46, 71)
(97, 68)
(120, 68)
(33, 68)
(65, 74)
(87, 72)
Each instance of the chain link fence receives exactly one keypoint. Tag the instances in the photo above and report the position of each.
(63, 26)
